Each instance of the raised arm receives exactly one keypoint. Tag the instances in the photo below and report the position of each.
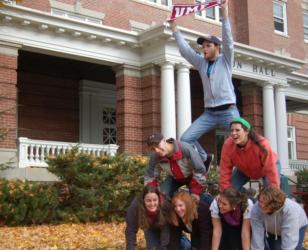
(186, 51)
(227, 38)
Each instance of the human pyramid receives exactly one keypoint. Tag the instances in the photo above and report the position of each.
(231, 220)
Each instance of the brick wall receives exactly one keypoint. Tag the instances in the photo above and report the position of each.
(300, 122)
(150, 107)
(8, 79)
(252, 106)
(48, 107)
(129, 113)
(251, 20)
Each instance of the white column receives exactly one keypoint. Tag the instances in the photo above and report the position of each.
(269, 121)
(183, 99)
(167, 100)
(282, 128)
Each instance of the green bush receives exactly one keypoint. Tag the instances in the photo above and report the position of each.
(98, 188)
(25, 203)
(302, 180)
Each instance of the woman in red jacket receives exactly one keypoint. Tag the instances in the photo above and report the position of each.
(250, 154)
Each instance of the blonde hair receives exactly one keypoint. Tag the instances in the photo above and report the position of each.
(191, 209)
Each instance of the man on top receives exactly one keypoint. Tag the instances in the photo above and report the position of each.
(215, 69)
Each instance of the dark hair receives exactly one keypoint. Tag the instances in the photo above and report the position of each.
(274, 197)
(142, 211)
(191, 209)
(154, 139)
(252, 135)
(235, 198)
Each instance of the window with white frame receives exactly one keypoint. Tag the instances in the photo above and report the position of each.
(75, 16)
(291, 143)
(161, 2)
(306, 26)
(280, 17)
(210, 13)
(109, 126)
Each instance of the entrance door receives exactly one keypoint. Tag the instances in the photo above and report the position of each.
(97, 113)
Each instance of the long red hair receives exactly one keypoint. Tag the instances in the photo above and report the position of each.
(191, 209)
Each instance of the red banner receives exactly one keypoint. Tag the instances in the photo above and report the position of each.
(179, 10)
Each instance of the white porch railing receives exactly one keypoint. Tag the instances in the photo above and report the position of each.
(33, 153)
(298, 164)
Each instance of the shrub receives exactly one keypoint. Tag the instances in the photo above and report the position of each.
(25, 203)
(97, 187)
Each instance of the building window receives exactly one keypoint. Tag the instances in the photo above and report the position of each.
(75, 16)
(109, 126)
(210, 13)
(280, 17)
(221, 136)
(291, 143)
(306, 26)
(161, 2)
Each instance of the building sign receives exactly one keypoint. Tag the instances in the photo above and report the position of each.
(254, 68)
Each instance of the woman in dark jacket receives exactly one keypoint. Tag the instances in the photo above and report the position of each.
(195, 219)
(146, 212)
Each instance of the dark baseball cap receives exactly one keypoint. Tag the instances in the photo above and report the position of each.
(211, 39)
(154, 139)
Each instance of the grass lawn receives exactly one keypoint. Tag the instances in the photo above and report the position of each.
(70, 236)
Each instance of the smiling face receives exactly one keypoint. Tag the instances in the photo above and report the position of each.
(180, 208)
(238, 134)
(263, 205)
(224, 205)
(210, 51)
(162, 149)
(151, 202)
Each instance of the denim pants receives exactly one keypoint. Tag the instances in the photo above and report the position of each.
(239, 179)
(206, 122)
(170, 186)
(152, 238)
(272, 244)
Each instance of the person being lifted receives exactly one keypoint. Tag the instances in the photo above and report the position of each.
(182, 164)
(215, 69)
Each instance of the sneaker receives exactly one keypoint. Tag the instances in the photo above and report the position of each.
(209, 160)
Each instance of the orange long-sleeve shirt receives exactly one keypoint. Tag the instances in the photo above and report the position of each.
(250, 160)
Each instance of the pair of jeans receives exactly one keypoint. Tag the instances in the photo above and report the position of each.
(239, 179)
(171, 185)
(207, 121)
(272, 244)
(152, 238)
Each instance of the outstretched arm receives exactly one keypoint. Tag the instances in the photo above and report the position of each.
(224, 8)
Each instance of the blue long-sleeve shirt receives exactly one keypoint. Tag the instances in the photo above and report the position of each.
(217, 88)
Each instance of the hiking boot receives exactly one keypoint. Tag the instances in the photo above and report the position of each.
(209, 160)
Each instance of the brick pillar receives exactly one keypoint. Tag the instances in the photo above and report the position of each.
(8, 94)
(129, 109)
(150, 83)
(252, 105)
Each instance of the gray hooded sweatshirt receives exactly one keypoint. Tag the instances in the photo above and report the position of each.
(218, 88)
(285, 222)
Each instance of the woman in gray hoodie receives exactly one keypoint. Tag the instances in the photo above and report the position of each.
(281, 221)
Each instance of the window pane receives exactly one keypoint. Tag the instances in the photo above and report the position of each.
(210, 13)
(278, 10)
(290, 150)
(164, 2)
(306, 20)
(278, 23)
(306, 33)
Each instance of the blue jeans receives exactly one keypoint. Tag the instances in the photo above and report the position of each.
(272, 244)
(239, 179)
(206, 122)
(170, 186)
(152, 238)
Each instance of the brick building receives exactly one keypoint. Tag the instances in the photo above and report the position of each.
(106, 74)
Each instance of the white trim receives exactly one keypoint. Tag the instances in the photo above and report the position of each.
(292, 140)
(156, 5)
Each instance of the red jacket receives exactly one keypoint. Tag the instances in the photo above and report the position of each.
(250, 160)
